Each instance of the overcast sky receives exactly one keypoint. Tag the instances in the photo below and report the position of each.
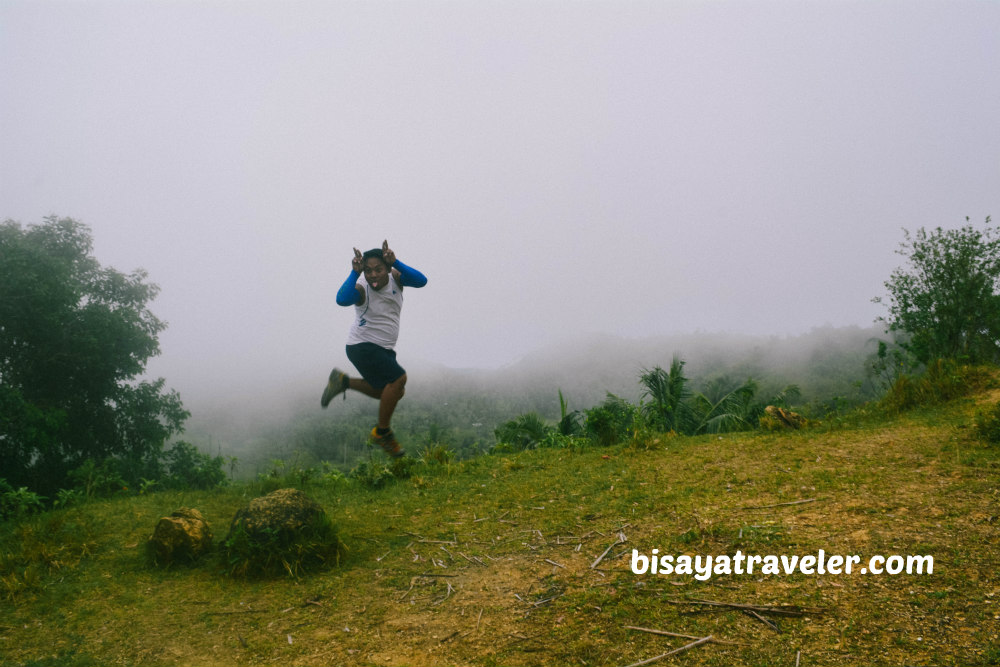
(554, 168)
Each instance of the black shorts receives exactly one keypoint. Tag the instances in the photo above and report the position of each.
(376, 364)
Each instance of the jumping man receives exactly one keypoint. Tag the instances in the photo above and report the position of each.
(377, 302)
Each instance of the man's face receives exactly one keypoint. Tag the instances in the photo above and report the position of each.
(376, 273)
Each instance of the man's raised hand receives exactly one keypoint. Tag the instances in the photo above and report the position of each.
(357, 263)
(388, 255)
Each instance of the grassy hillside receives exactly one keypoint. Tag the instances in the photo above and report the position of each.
(489, 561)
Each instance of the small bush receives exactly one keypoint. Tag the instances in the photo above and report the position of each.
(376, 474)
(942, 381)
(987, 424)
(100, 480)
(611, 422)
(15, 503)
(272, 552)
(436, 454)
(187, 468)
(524, 432)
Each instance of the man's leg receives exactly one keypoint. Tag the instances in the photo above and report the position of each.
(391, 394)
(357, 384)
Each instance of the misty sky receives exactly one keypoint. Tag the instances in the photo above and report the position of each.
(554, 168)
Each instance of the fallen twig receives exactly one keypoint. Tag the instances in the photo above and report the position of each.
(766, 621)
(437, 541)
(788, 610)
(555, 563)
(794, 502)
(601, 557)
(674, 652)
(675, 634)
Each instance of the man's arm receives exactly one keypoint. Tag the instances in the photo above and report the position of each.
(408, 276)
(405, 275)
(350, 293)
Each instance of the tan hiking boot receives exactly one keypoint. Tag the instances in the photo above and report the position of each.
(388, 443)
(337, 384)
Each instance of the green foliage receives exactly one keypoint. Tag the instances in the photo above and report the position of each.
(68, 498)
(74, 337)
(612, 421)
(725, 406)
(942, 380)
(15, 503)
(272, 552)
(570, 423)
(95, 480)
(377, 473)
(524, 432)
(436, 453)
(987, 424)
(944, 303)
(667, 393)
(187, 468)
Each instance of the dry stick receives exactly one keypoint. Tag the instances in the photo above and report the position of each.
(797, 655)
(785, 611)
(674, 634)
(682, 648)
(479, 618)
(794, 502)
(555, 563)
(601, 557)
(766, 621)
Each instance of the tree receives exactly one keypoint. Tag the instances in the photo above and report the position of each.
(667, 393)
(944, 303)
(724, 406)
(74, 336)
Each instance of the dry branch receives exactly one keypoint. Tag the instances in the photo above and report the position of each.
(766, 621)
(784, 610)
(675, 634)
(610, 547)
(674, 652)
(794, 502)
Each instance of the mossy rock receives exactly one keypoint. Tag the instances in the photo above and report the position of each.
(284, 532)
(182, 537)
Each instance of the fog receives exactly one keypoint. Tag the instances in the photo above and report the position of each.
(558, 170)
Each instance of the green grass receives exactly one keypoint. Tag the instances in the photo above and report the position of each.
(488, 561)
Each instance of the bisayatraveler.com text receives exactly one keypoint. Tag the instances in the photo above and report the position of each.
(704, 567)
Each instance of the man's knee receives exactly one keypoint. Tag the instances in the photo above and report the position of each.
(400, 385)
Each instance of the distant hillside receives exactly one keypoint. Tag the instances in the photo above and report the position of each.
(462, 407)
(825, 362)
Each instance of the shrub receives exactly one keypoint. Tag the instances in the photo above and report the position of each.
(611, 422)
(15, 503)
(987, 424)
(436, 454)
(375, 474)
(524, 432)
(98, 480)
(943, 380)
(270, 552)
(187, 468)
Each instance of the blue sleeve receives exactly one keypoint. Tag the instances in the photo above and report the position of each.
(348, 294)
(408, 276)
